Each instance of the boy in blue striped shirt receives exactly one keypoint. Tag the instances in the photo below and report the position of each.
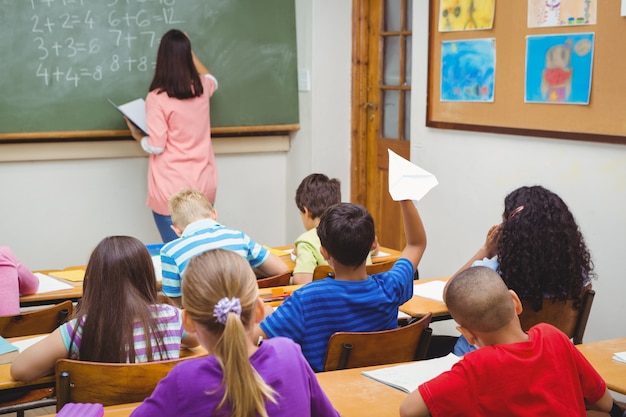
(195, 222)
(352, 301)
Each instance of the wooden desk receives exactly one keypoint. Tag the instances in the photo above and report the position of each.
(600, 355)
(352, 394)
(53, 297)
(8, 384)
(418, 307)
(392, 255)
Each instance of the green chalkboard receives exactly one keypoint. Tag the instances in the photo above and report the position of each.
(62, 59)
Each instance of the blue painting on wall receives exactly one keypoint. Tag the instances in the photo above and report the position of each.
(468, 70)
(559, 68)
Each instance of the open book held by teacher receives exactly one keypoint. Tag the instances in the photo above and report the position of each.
(135, 111)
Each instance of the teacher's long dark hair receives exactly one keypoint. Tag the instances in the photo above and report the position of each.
(175, 71)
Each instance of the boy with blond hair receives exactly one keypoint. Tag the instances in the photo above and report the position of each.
(195, 222)
(512, 373)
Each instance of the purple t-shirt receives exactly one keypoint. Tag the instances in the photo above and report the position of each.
(193, 387)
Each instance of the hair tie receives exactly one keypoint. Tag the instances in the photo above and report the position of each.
(515, 212)
(225, 306)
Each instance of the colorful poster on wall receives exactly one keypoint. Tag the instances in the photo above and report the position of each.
(457, 15)
(550, 13)
(468, 70)
(559, 68)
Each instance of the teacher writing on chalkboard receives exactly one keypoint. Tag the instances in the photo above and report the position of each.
(179, 128)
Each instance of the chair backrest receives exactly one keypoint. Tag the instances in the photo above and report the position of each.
(378, 267)
(323, 271)
(108, 383)
(561, 314)
(326, 271)
(274, 280)
(357, 349)
(43, 320)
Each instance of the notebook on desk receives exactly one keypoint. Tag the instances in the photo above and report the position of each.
(408, 377)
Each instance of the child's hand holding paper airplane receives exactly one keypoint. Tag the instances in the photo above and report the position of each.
(407, 181)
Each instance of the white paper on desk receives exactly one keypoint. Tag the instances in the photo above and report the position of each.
(380, 254)
(620, 357)
(432, 290)
(158, 270)
(23, 344)
(407, 181)
(49, 284)
(409, 376)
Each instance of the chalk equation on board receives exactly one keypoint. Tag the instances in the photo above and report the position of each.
(69, 51)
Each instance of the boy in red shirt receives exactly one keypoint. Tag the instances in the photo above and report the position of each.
(539, 373)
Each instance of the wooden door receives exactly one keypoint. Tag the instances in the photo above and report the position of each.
(381, 98)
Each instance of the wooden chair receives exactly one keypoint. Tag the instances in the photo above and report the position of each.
(44, 320)
(326, 271)
(357, 349)
(108, 383)
(323, 271)
(274, 280)
(562, 315)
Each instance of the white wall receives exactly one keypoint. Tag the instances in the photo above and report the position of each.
(477, 170)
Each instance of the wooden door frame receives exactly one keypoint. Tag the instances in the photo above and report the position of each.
(360, 111)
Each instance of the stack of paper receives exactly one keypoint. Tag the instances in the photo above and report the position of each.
(411, 375)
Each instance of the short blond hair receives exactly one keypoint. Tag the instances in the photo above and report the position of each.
(189, 205)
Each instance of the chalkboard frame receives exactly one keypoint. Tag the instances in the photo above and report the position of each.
(461, 115)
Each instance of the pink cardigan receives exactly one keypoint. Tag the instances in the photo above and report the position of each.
(15, 280)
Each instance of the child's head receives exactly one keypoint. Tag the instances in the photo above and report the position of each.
(479, 301)
(220, 296)
(346, 232)
(118, 291)
(175, 71)
(119, 267)
(316, 193)
(541, 249)
(188, 206)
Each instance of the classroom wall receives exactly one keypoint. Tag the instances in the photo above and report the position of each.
(477, 170)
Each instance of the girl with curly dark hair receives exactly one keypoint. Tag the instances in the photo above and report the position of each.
(538, 249)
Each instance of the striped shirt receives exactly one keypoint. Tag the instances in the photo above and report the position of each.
(314, 312)
(199, 237)
(170, 331)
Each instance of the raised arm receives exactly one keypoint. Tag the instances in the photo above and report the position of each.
(200, 67)
(414, 233)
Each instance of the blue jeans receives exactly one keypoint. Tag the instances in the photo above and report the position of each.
(164, 223)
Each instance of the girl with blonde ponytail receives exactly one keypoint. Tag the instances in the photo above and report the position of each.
(238, 378)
